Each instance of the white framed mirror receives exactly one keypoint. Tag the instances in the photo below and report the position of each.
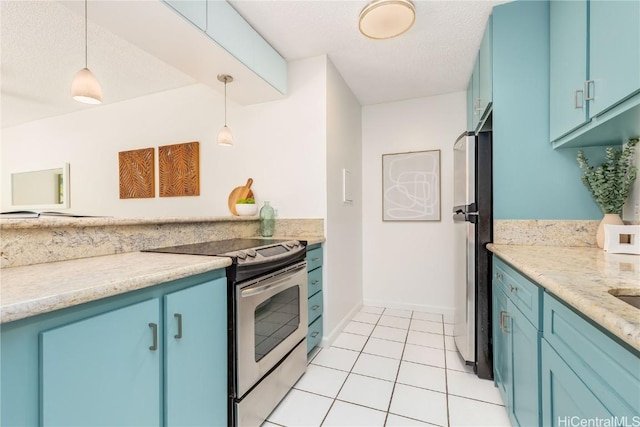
(46, 188)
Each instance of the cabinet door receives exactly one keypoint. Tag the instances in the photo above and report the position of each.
(476, 93)
(566, 400)
(614, 54)
(486, 70)
(500, 343)
(102, 370)
(568, 66)
(196, 355)
(524, 365)
(470, 104)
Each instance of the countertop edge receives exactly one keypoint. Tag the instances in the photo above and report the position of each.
(610, 321)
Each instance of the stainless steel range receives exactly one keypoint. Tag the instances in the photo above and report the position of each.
(267, 321)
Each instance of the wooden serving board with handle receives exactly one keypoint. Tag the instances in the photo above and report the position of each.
(241, 192)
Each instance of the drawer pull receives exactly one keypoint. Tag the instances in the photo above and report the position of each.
(315, 334)
(315, 307)
(154, 328)
(178, 316)
(315, 259)
(499, 276)
(314, 282)
(513, 288)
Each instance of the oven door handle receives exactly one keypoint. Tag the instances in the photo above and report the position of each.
(281, 282)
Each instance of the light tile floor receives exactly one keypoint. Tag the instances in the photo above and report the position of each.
(391, 368)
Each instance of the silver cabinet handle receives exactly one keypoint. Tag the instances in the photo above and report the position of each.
(314, 282)
(504, 316)
(589, 95)
(315, 334)
(477, 108)
(315, 307)
(315, 259)
(575, 100)
(178, 316)
(154, 329)
(499, 276)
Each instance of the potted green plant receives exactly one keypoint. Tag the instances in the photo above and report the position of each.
(246, 207)
(610, 183)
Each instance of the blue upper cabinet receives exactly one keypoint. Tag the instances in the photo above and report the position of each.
(194, 10)
(568, 59)
(225, 26)
(614, 60)
(594, 72)
(480, 89)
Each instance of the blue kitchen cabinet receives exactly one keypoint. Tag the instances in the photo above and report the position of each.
(105, 369)
(195, 11)
(480, 88)
(586, 373)
(568, 59)
(195, 322)
(315, 303)
(517, 344)
(594, 63)
(95, 363)
(614, 52)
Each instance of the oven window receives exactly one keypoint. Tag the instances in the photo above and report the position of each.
(275, 320)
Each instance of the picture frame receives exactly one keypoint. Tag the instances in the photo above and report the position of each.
(411, 186)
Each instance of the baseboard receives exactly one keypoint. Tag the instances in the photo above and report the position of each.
(328, 339)
(446, 311)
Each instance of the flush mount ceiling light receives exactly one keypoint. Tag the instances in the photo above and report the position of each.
(85, 87)
(224, 136)
(384, 19)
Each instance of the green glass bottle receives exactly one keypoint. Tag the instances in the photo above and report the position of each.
(267, 220)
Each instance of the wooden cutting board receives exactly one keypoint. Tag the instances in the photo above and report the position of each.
(242, 192)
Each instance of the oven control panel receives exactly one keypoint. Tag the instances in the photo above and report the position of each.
(267, 253)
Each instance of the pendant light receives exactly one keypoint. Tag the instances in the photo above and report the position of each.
(384, 19)
(85, 87)
(224, 136)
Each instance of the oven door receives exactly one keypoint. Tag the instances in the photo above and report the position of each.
(271, 320)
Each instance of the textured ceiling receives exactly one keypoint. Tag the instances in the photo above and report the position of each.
(42, 47)
(435, 56)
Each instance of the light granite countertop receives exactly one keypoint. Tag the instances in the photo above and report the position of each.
(582, 277)
(35, 289)
(30, 290)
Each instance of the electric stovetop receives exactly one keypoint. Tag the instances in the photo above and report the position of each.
(217, 247)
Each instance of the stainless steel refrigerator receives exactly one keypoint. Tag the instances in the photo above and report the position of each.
(473, 228)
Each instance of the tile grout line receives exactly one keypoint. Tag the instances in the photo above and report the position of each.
(350, 371)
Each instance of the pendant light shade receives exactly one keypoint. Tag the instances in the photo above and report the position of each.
(85, 87)
(384, 19)
(225, 137)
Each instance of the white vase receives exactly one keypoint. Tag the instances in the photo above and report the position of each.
(613, 219)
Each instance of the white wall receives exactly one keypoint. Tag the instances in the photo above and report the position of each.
(343, 250)
(279, 144)
(634, 198)
(409, 264)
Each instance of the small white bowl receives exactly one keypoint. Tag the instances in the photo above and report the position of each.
(246, 209)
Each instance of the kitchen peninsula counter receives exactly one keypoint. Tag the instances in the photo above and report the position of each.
(36, 289)
(582, 277)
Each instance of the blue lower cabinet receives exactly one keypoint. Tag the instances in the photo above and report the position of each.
(104, 370)
(196, 351)
(156, 356)
(315, 334)
(315, 302)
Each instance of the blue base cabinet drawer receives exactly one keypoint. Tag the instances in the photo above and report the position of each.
(609, 370)
(315, 281)
(315, 334)
(524, 294)
(314, 258)
(315, 307)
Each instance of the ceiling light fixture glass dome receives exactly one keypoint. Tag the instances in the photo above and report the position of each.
(85, 87)
(225, 137)
(385, 19)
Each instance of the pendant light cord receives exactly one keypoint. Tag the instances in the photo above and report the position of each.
(225, 101)
(86, 37)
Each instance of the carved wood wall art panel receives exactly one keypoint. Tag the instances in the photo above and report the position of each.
(137, 174)
(179, 169)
